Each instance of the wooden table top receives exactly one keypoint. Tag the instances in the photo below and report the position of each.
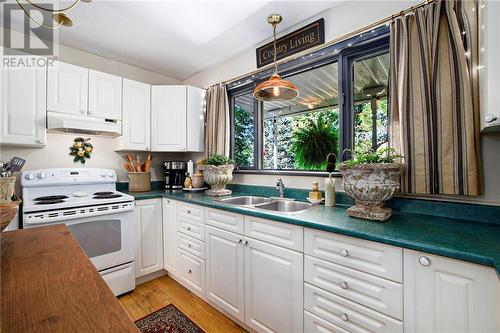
(48, 284)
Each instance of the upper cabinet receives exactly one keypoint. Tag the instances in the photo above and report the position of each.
(22, 106)
(177, 118)
(136, 118)
(67, 89)
(105, 95)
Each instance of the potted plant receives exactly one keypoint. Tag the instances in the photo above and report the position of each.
(372, 178)
(218, 172)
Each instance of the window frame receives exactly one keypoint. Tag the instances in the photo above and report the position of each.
(345, 56)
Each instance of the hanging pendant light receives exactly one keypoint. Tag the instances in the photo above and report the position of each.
(275, 88)
(58, 15)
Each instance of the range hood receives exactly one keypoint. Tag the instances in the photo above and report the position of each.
(67, 123)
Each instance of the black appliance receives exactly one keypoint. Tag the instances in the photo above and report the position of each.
(175, 174)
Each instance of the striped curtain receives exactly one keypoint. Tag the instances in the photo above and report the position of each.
(217, 126)
(434, 110)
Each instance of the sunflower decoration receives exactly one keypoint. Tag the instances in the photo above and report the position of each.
(81, 149)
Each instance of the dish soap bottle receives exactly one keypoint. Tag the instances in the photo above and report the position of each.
(315, 194)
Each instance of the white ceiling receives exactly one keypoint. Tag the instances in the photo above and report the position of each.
(178, 38)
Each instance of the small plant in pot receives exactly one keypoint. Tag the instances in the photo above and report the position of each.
(372, 178)
(218, 172)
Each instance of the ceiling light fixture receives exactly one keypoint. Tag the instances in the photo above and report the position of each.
(58, 15)
(275, 88)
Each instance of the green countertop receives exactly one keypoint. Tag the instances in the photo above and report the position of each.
(465, 240)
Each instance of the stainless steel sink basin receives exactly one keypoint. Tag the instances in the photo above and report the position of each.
(246, 200)
(287, 207)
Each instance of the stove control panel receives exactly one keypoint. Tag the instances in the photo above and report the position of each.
(67, 176)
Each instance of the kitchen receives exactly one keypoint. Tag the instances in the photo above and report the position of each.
(209, 203)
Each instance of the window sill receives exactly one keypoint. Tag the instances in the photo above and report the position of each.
(335, 174)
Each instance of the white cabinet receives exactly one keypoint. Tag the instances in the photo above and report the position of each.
(170, 236)
(192, 272)
(177, 118)
(67, 89)
(105, 95)
(195, 119)
(447, 295)
(22, 106)
(225, 271)
(136, 117)
(149, 237)
(273, 288)
(168, 118)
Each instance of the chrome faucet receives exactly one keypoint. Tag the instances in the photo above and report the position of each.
(280, 187)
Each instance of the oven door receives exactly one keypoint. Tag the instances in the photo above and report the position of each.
(108, 240)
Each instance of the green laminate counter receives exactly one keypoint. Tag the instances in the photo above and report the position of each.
(465, 240)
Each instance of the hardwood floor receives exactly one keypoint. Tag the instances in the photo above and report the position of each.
(154, 295)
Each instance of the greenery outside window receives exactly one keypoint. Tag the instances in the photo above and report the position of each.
(342, 105)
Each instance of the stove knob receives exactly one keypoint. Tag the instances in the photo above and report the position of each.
(111, 173)
(42, 175)
(102, 173)
(29, 176)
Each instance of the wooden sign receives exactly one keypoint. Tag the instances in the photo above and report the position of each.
(302, 39)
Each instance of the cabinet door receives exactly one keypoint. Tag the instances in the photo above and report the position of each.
(447, 295)
(105, 95)
(225, 270)
(168, 118)
(136, 117)
(195, 119)
(170, 236)
(274, 285)
(67, 89)
(23, 107)
(149, 241)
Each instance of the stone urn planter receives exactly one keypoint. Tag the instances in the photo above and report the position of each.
(371, 185)
(218, 176)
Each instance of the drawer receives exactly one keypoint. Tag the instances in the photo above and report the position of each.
(277, 233)
(192, 272)
(225, 220)
(370, 257)
(192, 212)
(191, 245)
(374, 292)
(315, 324)
(350, 316)
(191, 228)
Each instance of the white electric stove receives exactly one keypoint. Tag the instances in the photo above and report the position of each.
(99, 217)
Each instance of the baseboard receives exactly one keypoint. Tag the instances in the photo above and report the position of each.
(149, 277)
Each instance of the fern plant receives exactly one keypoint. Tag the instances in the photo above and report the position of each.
(311, 143)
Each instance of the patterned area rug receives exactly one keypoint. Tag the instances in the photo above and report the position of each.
(167, 320)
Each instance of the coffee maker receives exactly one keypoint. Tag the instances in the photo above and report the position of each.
(175, 174)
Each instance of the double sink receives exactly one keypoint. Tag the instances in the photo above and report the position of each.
(277, 205)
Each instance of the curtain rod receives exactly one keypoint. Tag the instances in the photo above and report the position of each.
(331, 42)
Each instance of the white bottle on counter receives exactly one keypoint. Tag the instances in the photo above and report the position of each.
(329, 192)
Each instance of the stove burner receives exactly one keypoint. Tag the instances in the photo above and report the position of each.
(103, 193)
(106, 196)
(51, 198)
(49, 202)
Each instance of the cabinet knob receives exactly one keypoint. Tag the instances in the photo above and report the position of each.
(188, 211)
(424, 261)
(189, 271)
(40, 140)
(91, 112)
(240, 241)
(344, 253)
(245, 243)
(343, 285)
(188, 228)
(189, 245)
(168, 201)
(344, 317)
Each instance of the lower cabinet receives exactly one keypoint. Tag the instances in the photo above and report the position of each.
(447, 295)
(191, 272)
(149, 237)
(170, 236)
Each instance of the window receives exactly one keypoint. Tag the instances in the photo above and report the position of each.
(342, 104)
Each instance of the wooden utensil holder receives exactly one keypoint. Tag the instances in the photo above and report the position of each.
(139, 182)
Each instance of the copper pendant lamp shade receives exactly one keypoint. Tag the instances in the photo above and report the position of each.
(275, 88)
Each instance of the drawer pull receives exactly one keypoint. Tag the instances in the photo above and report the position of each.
(188, 211)
(188, 228)
(189, 245)
(240, 241)
(245, 243)
(344, 253)
(344, 317)
(189, 272)
(343, 285)
(424, 261)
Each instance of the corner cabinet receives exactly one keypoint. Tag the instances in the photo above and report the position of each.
(177, 118)
(149, 237)
(136, 117)
(22, 103)
(447, 295)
